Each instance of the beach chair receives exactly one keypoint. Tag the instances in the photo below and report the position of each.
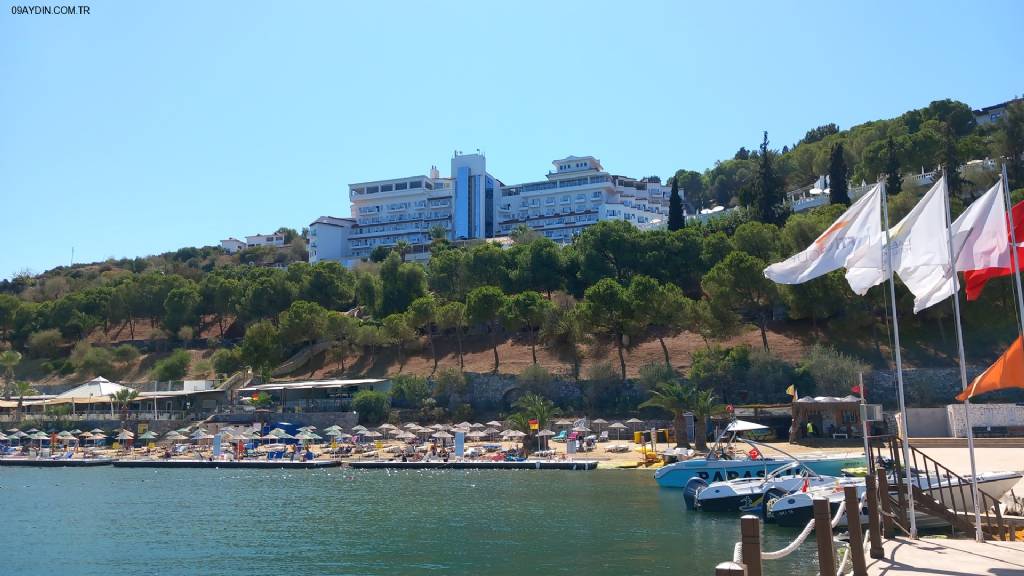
(603, 437)
(560, 437)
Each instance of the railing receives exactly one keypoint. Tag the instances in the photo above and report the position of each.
(940, 491)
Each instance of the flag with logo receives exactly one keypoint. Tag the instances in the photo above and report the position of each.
(534, 424)
(858, 226)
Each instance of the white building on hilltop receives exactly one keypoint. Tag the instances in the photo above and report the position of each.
(473, 204)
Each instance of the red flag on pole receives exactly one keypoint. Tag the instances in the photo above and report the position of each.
(975, 280)
(855, 389)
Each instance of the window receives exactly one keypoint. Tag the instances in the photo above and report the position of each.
(372, 190)
(385, 188)
(416, 184)
(595, 194)
(400, 185)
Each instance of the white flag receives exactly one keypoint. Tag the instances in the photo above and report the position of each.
(980, 235)
(920, 254)
(857, 226)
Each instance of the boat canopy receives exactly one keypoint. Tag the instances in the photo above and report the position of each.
(744, 426)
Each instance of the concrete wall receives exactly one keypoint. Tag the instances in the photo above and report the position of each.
(983, 415)
(928, 422)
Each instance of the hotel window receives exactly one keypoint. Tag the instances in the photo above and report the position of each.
(415, 184)
(595, 194)
(372, 189)
(385, 187)
(400, 185)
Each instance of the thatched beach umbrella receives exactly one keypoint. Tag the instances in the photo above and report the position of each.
(545, 434)
(495, 424)
(476, 434)
(148, 435)
(599, 422)
(75, 431)
(633, 422)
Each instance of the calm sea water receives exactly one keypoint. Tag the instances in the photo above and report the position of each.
(107, 521)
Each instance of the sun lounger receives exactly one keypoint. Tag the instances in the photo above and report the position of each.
(603, 437)
(618, 448)
(560, 437)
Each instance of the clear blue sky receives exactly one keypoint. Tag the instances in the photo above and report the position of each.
(148, 126)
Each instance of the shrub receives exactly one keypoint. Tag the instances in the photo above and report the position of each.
(92, 361)
(535, 378)
(408, 391)
(372, 406)
(653, 373)
(227, 360)
(185, 333)
(833, 372)
(462, 412)
(126, 354)
(45, 343)
(174, 367)
(203, 367)
(448, 382)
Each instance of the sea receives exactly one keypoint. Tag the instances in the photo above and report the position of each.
(114, 521)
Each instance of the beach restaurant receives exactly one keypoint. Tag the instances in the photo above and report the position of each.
(95, 400)
(315, 395)
(830, 417)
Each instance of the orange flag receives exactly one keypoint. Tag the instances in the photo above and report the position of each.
(1007, 372)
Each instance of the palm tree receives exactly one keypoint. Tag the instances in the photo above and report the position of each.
(123, 398)
(23, 389)
(403, 247)
(9, 359)
(672, 396)
(532, 407)
(704, 405)
(564, 333)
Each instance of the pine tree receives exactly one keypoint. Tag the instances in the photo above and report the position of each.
(837, 176)
(675, 208)
(893, 181)
(765, 193)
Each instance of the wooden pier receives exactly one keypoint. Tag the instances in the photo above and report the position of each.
(906, 557)
(476, 465)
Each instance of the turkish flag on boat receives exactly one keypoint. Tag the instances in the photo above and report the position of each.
(976, 279)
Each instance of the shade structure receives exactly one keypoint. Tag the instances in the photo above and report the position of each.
(386, 426)
(580, 429)
(475, 434)
(495, 424)
(441, 434)
(465, 424)
(2, 437)
(173, 435)
(617, 426)
(124, 435)
(411, 426)
(545, 432)
(477, 426)
(371, 434)
(437, 426)
(148, 435)
(75, 431)
(332, 433)
(599, 421)
(634, 421)
(32, 430)
(563, 422)
(335, 428)
(96, 431)
(12, 430)
(406, 436)
(359, 428)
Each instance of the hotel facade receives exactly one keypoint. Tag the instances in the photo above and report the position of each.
(473, 204)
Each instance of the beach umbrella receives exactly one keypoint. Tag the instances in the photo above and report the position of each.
(618, 427)
(475, 434)
(2, 437)
(12, 430)
(148, 435)
(125, 435)
(32, 430)
(495, 424)
(173, 435)
(477, 426)
(438, 426)
(441, 434)
(334, 428)
(465, 424)
(599, 422)
(20, 434)
(75, 431)
(633, 421)
(371, 434)
(332, 433)
(580, 429)
(411, 426)
(563, 422)
(96, 431)
(545, 434)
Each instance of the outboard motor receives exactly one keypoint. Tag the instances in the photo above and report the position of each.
(693, 488)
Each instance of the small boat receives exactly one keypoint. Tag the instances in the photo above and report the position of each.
(724, 462)
(749, 495)
(796, 509)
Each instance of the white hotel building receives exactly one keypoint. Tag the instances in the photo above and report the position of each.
(473, 204)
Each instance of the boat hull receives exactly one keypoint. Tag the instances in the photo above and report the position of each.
(51, 463)
(678, 474)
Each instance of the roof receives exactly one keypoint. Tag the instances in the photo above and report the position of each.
(987, 109)
(309, 384)
(96, 387)
(829, 400)
(333, 221)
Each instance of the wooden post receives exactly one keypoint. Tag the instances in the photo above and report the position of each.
(874, 518)
(856, 535)
(888, 530)
(750, 531)
(823, 533)
(730, 569)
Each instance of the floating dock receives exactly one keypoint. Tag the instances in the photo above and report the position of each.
(56, 463)
(476, 465)
(265, 464)
(906, 557)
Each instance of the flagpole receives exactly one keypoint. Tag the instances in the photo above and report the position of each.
(1013, 249)
(899, 364)
(864, 422)
(963, 369)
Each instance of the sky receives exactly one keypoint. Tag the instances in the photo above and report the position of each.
(144, 127)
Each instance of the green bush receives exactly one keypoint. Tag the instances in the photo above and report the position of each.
(652, 373)
(227, 360)
(833, 372)
(448, 382)
(535, 378)
(371, 406)
(91, 361)
(45, 343)
(462, 413)
(174, 367)
(408, 391)
(126, 354)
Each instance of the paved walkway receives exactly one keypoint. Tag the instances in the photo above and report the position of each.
(939, 556)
